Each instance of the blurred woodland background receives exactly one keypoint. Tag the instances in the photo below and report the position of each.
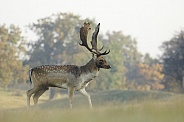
(57, 43)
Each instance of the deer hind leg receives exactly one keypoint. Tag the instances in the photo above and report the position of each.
(70, 94)
(84, 93)
(37, 95)
(29, 94)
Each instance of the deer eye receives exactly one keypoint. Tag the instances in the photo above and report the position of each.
(101, 61)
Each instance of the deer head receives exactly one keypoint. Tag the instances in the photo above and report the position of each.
(100, 61)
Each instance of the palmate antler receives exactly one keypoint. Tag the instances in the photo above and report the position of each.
(83, 36)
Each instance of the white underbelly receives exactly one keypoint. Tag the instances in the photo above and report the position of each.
(64, 85)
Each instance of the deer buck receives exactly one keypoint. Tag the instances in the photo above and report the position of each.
(70, 77)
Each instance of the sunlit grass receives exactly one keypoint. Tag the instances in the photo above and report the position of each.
(8, 100)
(155, 111)
(15, 99)
(111, 106)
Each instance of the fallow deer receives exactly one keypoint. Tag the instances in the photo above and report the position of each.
(70, 77)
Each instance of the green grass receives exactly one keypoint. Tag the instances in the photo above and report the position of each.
(108, 98)
(110, 106)
(9, 100)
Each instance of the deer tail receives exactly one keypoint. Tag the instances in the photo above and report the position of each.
(30, 75)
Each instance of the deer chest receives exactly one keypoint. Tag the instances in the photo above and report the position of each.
(86, 78)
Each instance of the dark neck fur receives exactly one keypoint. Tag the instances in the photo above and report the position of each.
(90, 67)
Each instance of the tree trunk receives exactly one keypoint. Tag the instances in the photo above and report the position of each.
(182, 84)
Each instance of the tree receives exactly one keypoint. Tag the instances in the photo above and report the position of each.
(150, 77)
(173, 59)
(12, 52)
(58, 38)
(123, 57)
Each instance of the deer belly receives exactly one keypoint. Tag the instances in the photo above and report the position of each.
(57, 80)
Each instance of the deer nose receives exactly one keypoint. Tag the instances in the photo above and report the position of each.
(108, 66)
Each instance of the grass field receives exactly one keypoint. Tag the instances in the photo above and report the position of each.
(110, 106)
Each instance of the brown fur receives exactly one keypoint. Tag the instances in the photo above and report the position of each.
(47, 76)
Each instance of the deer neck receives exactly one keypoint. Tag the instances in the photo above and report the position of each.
(90, 67)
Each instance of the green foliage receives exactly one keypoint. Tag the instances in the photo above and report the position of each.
(173, 56)
(11, 52)
(121, 47)
(58, 38)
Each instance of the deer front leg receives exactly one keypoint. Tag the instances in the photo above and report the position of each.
(70, 94)
(84, 93)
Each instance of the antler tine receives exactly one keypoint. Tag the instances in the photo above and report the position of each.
(105, 53)
(84, 32)
(83, 35)
(94, 42)
(101, 48)
(94, 38)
